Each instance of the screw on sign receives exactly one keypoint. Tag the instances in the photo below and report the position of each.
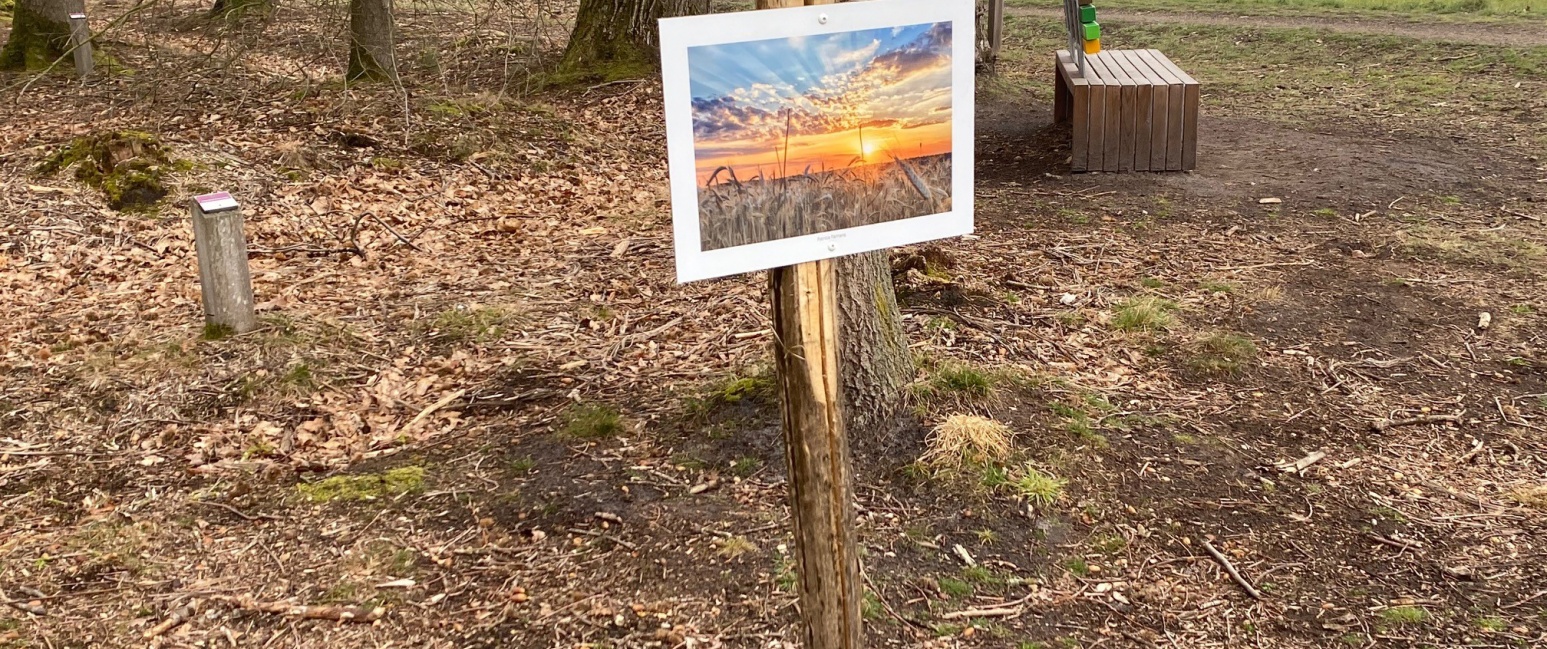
(815, 182)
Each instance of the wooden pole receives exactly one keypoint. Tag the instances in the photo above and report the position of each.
(995, 31)
(225, 281)
(805, 323)
(816, 446)
(80, 44)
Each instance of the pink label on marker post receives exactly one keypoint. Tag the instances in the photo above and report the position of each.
(217, 202)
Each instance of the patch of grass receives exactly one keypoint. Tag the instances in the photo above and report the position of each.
(994, 477)
(1352, 639)
(1522, 309)
(1326, 213)
(591, 421)
(369, 486)
(1216, 286)
(947, 629)
(1491, 624)
(469, 324)
(732, 547)
(785, 578)
(1152, 282)
(1108, 544)
(1077, 566)
(523, 465)
(986, 536)
(1220, 353)
(1404, 615)
(953, 587)
(1490, 249)
(1077, 422)
(1143, 313)
(980, 575)
(870, 607)
(1074, 216)
(1038, 488)
(743, 467)
(967, 440)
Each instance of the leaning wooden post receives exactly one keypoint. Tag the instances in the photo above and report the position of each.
(805, 324)
(225, 280)
(80, 44)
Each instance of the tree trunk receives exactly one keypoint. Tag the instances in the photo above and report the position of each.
(619, 39)
(40, 34)
(370, 41)
(875, 366)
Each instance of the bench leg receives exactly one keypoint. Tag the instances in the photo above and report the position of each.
(1061, 96)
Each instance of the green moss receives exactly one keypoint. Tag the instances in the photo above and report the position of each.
(369, 486)
(35, 41)
(129, 167)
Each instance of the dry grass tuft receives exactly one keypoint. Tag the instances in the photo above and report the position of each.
(1534, 497)
(967, 440)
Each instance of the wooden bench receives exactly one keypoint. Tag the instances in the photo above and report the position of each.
(1133, 110)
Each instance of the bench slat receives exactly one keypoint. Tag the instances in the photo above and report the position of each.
(1143, 112)
(1192, 98)
(1174, 111)
(1112, 113)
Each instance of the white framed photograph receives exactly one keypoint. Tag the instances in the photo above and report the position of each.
(815, 132)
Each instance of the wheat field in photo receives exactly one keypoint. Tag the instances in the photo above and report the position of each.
(737, 212)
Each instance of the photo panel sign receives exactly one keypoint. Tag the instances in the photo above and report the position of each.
(815, 132)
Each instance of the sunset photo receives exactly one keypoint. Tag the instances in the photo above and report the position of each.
(809, 134)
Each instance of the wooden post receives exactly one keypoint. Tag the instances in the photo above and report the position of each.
(80, 45)
(225, 281)
(816, 447)
(995, 31)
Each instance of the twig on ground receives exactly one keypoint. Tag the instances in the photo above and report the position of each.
(1382, 425)
(1230, 569)
(335, 613)
(429, 410)
(1007, 609)
(176, 619)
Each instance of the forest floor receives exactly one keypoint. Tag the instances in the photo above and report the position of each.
(480, 402)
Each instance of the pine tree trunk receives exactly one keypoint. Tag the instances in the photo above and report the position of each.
(874, 363)
(40, 34)
(619, 39)
(371, 29)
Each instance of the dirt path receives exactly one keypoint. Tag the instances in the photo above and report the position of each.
(1505, 34)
